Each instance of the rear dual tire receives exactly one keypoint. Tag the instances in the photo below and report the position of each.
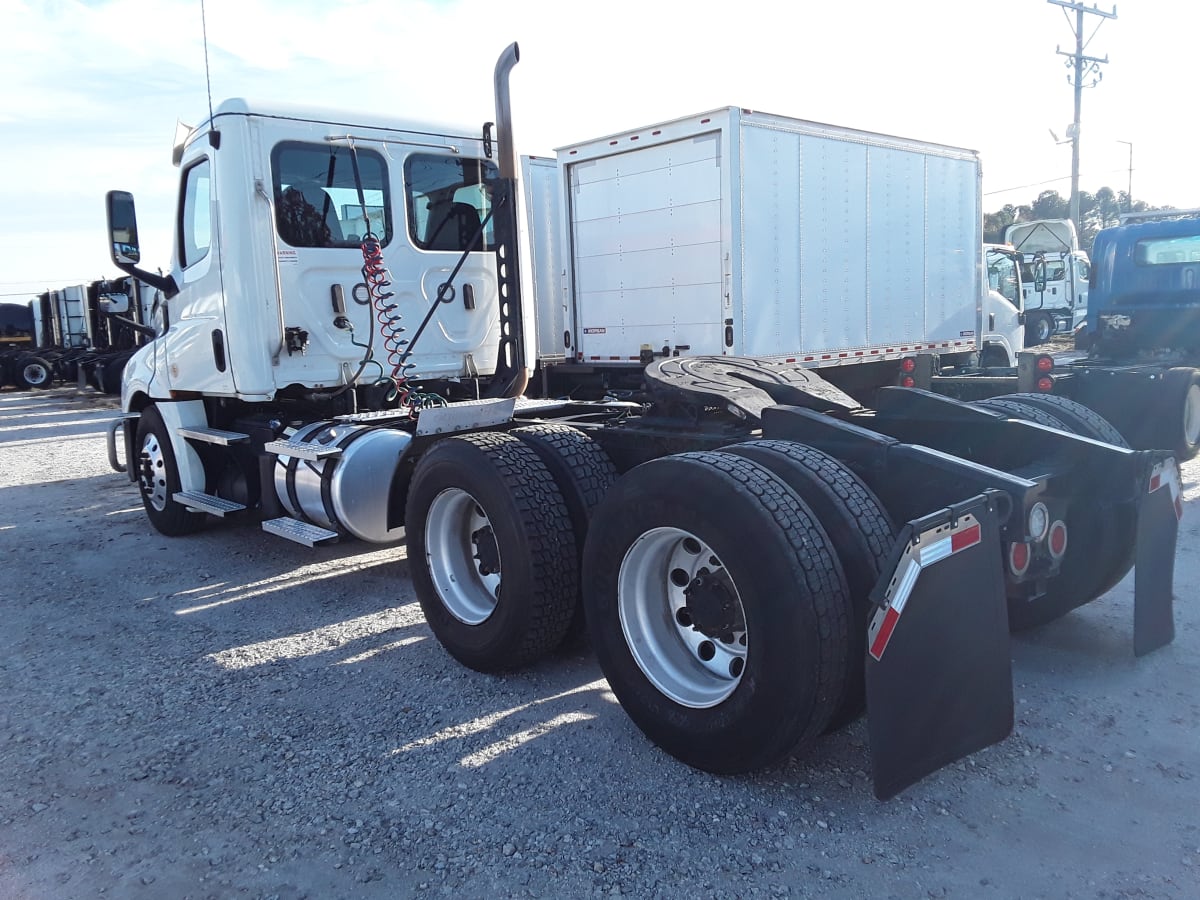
(491, 550)
(717, 609)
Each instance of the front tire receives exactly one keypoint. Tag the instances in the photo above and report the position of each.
(1178, 413)
(34, 373)
(1038, 329)
(717, 609)
(158, 478)
(491, 550)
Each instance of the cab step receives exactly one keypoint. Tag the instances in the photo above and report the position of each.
(302, 449)
(213, 436)
(201, 502)
(300, 532)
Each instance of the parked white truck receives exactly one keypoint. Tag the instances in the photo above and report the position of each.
(1055, 277)
(757, 555)
(740, 233)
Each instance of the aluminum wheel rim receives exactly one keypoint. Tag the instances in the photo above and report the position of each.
(456, 534)
(35, 374)
(693, 669)
(1191, 415)
(153, 478)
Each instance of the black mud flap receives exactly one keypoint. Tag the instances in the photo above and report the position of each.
(939, 673)
(1154, 573)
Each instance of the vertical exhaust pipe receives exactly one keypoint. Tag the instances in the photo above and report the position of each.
(512, 376)
(505, 148)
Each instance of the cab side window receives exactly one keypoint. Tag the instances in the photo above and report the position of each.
(447, 198)
(195, 229)
(317, 199)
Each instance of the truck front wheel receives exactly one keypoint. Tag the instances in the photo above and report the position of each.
(1038, 329)
(1178, 418)
(158, 478)
(491, 550)
(33, 372)
(718, 610)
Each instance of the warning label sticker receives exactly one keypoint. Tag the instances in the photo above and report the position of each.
(595, 331)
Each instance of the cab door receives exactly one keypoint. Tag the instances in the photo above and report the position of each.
(1003, 326)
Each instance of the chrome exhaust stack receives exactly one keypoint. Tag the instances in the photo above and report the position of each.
(505, 147)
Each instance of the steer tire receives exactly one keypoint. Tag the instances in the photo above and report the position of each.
(1075, 417)
(1038, 329)
(483, 500)
(34, 373)
(1177, 413)
(158, 478)
(860, 530)
(584, 473)
(734, 523)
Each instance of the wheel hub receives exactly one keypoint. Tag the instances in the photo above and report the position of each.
(712, 607)
(487, 552)
(152, 478)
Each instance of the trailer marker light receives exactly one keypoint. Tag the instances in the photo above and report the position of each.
(908, 364)
(1045, 384)
(1045, 363)
(916, 557)
(1057, 542)
(1018, 558)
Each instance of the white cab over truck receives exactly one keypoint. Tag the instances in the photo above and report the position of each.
(1055, 282)
(757, 556)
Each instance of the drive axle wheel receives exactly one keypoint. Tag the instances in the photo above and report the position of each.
(717, 609)
(860, 531)
(158, 478)
(491, 550)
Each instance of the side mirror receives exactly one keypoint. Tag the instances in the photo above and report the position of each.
(122, 229)
(114, 303)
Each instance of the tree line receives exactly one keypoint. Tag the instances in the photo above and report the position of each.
(1096, 211)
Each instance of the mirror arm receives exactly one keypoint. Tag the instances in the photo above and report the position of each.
(164, 283)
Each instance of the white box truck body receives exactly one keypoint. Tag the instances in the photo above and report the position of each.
(747, 234)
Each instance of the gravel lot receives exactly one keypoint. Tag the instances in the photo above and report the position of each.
(233, 715)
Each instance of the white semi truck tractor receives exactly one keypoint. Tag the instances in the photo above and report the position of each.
(758, 557)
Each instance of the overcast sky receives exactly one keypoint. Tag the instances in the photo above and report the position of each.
(93, 88)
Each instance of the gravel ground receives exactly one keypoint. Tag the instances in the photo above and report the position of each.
(232, 715)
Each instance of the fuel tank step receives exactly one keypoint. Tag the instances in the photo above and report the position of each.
(300, 532)
(302, 449)
(201, 502)
(213, 436)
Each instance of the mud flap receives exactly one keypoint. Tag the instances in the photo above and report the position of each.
(939, 672)
(1154, 573)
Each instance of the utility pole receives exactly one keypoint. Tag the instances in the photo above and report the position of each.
(1085, 67)
(1129, 192)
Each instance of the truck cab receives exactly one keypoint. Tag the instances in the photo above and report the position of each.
(1055, 276)
(269, 294)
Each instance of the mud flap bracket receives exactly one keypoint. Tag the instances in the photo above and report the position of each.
(938, 666)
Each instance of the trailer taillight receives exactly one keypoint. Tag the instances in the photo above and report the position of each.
(1045, 384)
(1057, 542)
(1045, 363)
(908, 364)
(908, 381)
(1018, 558)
